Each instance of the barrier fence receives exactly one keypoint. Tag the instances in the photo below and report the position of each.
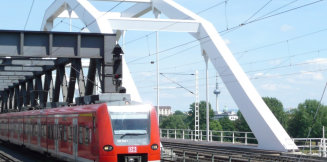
(311, 146)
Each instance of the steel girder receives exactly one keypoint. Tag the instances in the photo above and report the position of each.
(28, 61)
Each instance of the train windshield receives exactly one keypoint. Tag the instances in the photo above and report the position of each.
(130, 128)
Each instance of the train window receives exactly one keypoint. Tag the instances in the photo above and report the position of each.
(49, 131)
(80, 135)
(86, 135)
(26, 129)
(21, 128)
(69, 133)
(36, 129)
(60, 133)
(43, 130)
(65, 133)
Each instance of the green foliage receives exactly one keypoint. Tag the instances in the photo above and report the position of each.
(227, 124)
(241, 124)
(296, 121)
(174, 122)
(202, 110)
(215, 125)
(178, 113)
(277, 109)
(302, 118)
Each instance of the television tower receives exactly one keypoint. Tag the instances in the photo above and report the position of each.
(217, 92)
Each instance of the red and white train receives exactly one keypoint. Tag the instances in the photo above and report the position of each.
(96, 132)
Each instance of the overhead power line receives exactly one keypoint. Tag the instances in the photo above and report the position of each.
(314, 118)
(223, 31)
(269, 16)
(255, 78)
(255, 13)
(102, 15)
(29, 13)
(277, 9)
(258, 70)
(176, 83)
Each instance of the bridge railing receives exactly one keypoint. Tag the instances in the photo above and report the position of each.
(312, 146)
(219, 136)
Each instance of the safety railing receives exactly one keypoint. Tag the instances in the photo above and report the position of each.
(219, 136)
(312, 146)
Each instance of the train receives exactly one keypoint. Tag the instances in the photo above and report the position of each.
(95, 132)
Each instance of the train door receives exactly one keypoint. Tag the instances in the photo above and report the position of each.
(75, 138)
(56, 130)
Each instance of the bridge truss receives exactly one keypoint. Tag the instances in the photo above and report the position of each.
(33, 68)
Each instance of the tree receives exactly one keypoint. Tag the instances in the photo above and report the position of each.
(227, 124)
(215, 125)
(302, 119)
(241, 124)
(177, 112)
(202, 113)
(277, 109)
(174, 122)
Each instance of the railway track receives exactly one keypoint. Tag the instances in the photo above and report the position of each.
(20, 153)
(191, 152)
(7, 158)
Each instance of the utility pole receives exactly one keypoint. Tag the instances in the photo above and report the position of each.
(206, 59)
(196, 108)
(157, 14)
(323, 142)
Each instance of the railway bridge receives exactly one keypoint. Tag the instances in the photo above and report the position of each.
(44, 69)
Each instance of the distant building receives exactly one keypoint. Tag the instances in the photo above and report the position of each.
(165, 110)
(231, 115)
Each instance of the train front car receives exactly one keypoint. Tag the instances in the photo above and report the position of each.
(132, 134)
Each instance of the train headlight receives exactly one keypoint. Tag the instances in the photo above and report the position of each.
(108, 148)
(154, 147)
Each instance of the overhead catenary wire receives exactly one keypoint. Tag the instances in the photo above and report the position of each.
(255, 13)
(314, 118)
(199, 12)
(258, 70)
(256, 78)
(29, 14)
(223, 31)
(277, 9)
(102, 15)
(177, 84)
(247, 63)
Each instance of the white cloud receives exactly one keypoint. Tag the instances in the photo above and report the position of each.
(227, 41)
(317, 61)
(312, 75)
(286, 28)
(275, 62)
(274, 87)
(269, 87)
(258, 74)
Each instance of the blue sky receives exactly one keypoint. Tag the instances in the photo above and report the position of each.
(285, 55)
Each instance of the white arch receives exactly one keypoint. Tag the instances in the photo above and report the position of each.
(268, 131)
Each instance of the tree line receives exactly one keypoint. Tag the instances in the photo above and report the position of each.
(296, 122)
